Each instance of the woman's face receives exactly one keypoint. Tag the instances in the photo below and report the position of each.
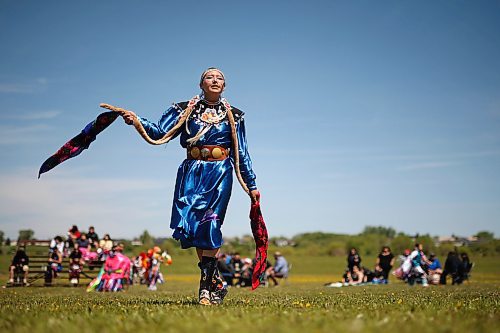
(213, 82)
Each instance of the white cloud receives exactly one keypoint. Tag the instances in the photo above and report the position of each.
(40, 115)
(12, 135)
(427, 165)
(30, 87)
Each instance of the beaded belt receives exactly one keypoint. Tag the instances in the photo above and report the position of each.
(207, 153)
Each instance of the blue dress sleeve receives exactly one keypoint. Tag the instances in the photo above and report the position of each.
(166, 123)
(245, 161)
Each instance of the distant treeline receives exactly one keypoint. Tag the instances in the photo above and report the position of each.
(369, 242)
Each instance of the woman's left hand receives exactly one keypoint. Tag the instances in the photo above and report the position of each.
(255, 196)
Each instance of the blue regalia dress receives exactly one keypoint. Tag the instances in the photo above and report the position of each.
(203, 188)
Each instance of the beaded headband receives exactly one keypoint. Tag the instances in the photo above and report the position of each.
(209, 70)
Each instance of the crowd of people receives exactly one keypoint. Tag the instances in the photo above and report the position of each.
(81, 248)
(116, 270)
(146, 267)
(415, 268)
(237, 271)
(357, 274)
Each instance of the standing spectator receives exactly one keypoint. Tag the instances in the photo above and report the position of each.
(20, 262)
(93, 238)
(385, 262)
(466, 266)
(451, 267)
(279, 270)
(353, 259)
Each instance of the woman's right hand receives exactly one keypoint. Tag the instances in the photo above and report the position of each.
(128, 117)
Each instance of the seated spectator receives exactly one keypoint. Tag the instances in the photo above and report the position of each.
(85, 248)
(355, 277)
(93, 238)
(369, 275)
(384, 263)
(75, 255)
(54, 265)
(83, 243)
(19, 265)
(245, 279)
(434, 270)
(353, 259)
(378, 275)
(73, 235)
(279, 270)
(56, 244)
(75, 265)
(225, 269)
(106, 244)
(237, 264)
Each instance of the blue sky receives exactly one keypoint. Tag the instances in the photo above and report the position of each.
(358, 112)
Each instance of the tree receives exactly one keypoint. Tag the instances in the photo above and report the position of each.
(484, 236)
(146, 238)
(26, 234)
(380, 230)
(2, 235)
(427, 242)
(400, 243)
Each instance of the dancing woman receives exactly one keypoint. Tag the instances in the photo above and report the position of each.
(213, 134)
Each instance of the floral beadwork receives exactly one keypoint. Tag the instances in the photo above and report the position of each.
(209, 114)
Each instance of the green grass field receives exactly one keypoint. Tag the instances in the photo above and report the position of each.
(300, 305)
